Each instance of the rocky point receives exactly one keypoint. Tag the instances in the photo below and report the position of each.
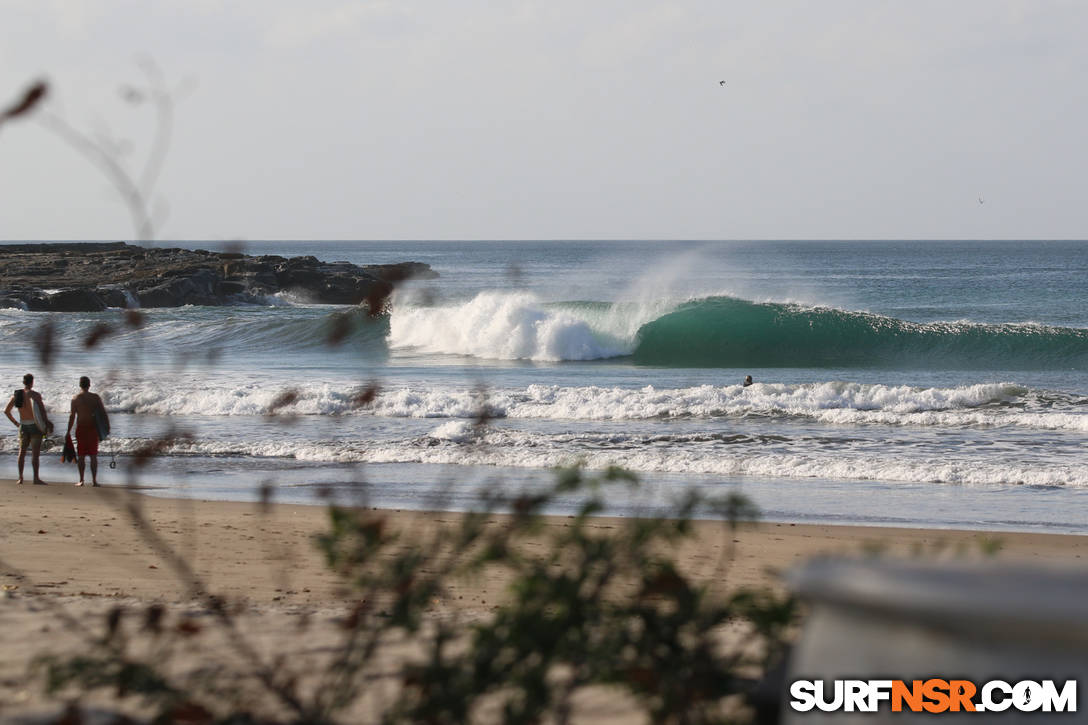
(87, 277)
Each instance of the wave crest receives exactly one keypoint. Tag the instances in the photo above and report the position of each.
(503, 326)
(729, 332)
(726, 332)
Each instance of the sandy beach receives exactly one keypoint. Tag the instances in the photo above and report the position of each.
(76, 548)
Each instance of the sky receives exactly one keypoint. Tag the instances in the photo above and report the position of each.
(556, 119)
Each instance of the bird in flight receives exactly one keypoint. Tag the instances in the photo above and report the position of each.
(981, 200)
(721, 83)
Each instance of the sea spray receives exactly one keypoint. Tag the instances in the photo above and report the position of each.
(502, 326)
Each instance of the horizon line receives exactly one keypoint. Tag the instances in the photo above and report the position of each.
(539, 239)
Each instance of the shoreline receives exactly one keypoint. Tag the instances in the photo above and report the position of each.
(968, 502)
(79, 541)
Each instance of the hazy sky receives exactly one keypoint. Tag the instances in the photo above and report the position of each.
(421, 119)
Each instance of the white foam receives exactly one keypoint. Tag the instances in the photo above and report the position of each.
(503, 326)
(240, 400)
(513, 449)
(457, 431)
(459, 443)
(836, 403)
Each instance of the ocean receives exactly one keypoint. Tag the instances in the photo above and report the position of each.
(938, 384)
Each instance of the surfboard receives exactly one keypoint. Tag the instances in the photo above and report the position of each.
(101, 425)
(39, 416)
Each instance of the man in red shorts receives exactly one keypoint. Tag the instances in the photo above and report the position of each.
(85, 407)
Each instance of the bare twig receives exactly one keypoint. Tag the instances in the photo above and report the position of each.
(110, 166)
(33, 95)
(136, 193)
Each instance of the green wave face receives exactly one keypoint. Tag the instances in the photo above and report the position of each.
(729, 332)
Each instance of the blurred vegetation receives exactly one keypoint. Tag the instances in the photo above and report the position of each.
(588, 607)
(591, 607)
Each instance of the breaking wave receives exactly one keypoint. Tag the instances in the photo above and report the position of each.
(726, 332)
(719, 331)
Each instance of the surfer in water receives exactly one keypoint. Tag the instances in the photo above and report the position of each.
(33, 424)
(89, 415)
(747, 381)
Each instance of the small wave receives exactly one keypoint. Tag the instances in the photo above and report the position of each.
(461, 445)
(275, 326)
(838, 403)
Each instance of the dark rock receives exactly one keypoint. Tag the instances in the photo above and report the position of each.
(228, 288)
(196, 290)
(74, 300)
(116, 297)
(93, 276)
(63, 247)
(401, 271)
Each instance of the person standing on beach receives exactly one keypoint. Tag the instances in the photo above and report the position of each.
(30, 434)
(87, 407)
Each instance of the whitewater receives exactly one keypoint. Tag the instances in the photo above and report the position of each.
(897, 383)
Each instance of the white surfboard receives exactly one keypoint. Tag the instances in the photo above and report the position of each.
(39, 416)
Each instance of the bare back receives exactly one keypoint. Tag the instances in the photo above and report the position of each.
(84, 406)
(26, 410)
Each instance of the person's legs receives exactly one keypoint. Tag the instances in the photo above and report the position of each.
(24, 441)
(36, 450)
(87, 446)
